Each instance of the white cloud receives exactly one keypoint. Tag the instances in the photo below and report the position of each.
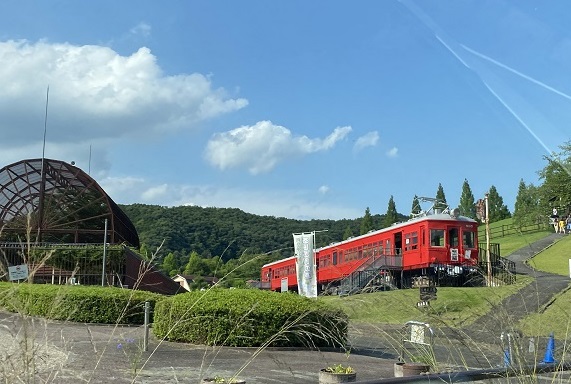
(154, 193)
(393, 152)
(122, 187)
(261, 146)
(96, 93)
(142, 29)
(368, 140)
(323, 189)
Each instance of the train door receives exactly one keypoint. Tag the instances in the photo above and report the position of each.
(422, 244)
(398, 243)
(454, 244)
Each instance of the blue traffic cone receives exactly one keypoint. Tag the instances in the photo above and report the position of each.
(548, 358)
(507, 359)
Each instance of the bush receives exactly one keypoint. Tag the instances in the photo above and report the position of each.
(249, 318)
(84, 304)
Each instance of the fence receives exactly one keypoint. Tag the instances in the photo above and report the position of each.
(511, 229)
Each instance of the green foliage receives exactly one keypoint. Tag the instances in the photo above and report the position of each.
(228, 233)
(527, 206)
(391, 216)
(170, 265)
(249, 318)
(416, 208)
(196, 266)
(497, 209)
(441, 198)
(348, 233)
(556, 175)
(339, 368)
(366, 222)
(467, 205)
(83, 304)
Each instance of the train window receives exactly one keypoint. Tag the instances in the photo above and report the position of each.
(437, 237)
(334, 258)
(411, 241)
(453, 237)
(468, 239)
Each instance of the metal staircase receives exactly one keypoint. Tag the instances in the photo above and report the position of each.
(374, 273)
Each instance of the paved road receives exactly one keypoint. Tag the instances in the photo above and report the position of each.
(84, 353)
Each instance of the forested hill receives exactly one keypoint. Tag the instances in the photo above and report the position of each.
(228, 232)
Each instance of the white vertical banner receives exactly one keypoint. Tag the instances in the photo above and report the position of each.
(303, 245)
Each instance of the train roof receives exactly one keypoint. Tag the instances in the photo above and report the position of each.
(445, 215)
(278, 261)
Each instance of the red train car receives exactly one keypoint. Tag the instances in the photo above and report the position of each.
(432, 244)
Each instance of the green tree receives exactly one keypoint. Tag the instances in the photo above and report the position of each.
(348, 233)
(441, 203)
(555, 192)
(467, 204)
(415, 209)
(497, 209)
(196, 266)
(391, 216)
(527, 209)
(170, 265)
(366, 222)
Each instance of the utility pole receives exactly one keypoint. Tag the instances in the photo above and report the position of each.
(489, 261)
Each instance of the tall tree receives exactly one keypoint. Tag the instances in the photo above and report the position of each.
(348, 233)
(366, 222)
(467, 204)
(415, 209)
(196, 266)
(391, 216)
(527, 210)
(441, 198)
(497, 209)
(555, 192)
(170, 265)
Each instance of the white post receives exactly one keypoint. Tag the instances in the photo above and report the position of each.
(570, 268)
(104, 255)
(146, 325)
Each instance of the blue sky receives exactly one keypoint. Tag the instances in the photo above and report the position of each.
(288, 108)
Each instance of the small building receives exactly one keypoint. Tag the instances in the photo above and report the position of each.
(186, 281)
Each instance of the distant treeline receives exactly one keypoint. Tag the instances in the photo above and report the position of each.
(228, 233)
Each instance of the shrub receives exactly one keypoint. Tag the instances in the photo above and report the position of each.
(85, 304)
(249, 318)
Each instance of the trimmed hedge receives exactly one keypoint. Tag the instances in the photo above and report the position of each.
(249, 318)
(83, 304)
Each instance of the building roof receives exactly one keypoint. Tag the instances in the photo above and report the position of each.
(59, 203)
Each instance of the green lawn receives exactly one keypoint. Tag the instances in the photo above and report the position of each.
(554, 259)
(455, 307)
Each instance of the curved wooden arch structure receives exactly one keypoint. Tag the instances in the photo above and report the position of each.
(46, 200)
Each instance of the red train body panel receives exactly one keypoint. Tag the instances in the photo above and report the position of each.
(444, 241)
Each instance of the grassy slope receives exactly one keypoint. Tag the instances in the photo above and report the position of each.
(557, 316)
(455, 307)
